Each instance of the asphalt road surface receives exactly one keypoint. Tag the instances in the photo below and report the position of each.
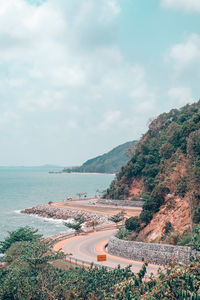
(87, 248)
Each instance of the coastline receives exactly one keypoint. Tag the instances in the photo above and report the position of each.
(65, 213)
(87, 173)
(94, 212)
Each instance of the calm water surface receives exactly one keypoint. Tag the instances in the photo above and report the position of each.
(26, 187)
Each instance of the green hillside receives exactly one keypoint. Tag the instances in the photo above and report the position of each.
(110, 162)
(166, 163)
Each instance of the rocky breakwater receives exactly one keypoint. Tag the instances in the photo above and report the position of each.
(49, 211)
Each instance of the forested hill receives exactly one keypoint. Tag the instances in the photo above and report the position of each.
(165, 172)
(110, 162)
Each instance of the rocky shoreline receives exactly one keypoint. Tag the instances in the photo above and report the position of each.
(49, 211)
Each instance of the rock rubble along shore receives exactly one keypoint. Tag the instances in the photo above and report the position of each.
(48, 211)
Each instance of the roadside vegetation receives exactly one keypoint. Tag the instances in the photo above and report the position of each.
(166, 161)
(31, 275)
(77, 224)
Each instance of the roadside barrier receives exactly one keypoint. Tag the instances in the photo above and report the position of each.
(86, 263)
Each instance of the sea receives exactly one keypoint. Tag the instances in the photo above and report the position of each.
(25, 187)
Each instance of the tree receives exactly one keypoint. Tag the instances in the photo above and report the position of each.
(117, 218)
(79, 219)
(193, 152)
(133, 224)
(166, 150)
(21, 234)
(34, 254)
(130, 151)
(80, 195)
(146, 216)
(29, 274)
(77, 224)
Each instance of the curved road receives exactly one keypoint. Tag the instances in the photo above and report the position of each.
(87, 248)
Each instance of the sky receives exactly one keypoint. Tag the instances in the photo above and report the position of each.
(80, 77)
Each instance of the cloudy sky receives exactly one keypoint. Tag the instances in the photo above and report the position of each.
(80, 77)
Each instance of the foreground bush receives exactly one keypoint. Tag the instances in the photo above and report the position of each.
(22, 234)
(179, 282)
(30, 276)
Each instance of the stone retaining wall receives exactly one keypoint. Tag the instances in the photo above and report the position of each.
(158, 254)
(121, 202)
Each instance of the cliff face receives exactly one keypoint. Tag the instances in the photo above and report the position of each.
(178, 216)
(165, 172)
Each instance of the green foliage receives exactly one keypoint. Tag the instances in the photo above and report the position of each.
(77, 224)
(158, 196)
(22, 234)
(196, 215)
(168, 228)
(181, 186)
(33, 254)
(166, 150)
(196, 238)
(153, 203)
(185, 240)
(173, 238)
(79, 219)
(110, 162)
(31, 276)
(176, 282)
(122, 233)
(133, 224)
(117, 218)
(193, 144)
(171, 137)
(146, 216)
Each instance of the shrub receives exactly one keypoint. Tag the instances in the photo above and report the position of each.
(185, 240)
(170, 204)
(133, 224)
(196, 215)
(168, 228)
(173, 238)
(166, 150)
(146, 216)
(117, 218)
(122, 233)
(181, 187)
(23, 234)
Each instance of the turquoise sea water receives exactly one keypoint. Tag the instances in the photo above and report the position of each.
(26, 187)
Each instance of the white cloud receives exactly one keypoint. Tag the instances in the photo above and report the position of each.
(15, 83)
(184, 5)
(8, 116)
(110, 119)
(72, 124)
(114, 6)
(73, 76)
(187, 53)
(62, 65)
(180, 95)
(46, 101)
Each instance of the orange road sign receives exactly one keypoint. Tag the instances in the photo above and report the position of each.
(101, 257)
